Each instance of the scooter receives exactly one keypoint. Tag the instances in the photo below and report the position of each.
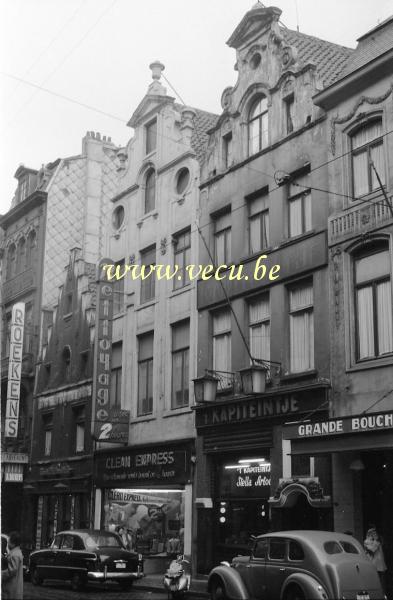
(176, 580)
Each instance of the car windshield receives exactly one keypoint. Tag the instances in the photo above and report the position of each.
(102, 540)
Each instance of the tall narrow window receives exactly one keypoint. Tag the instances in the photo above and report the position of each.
(367, 148)
(227, 149)
(289, 104)
(222, 239)
(258, 224)
(31, 249)
(259, 327)
(222, 349)
(23, 189)
(80, 421)
(182, 247)
(145, 374)
(301, 330)
(180, 363)
(118, 290)
(47, 422)
(373, 301)
(151, 136)
(11, 258)
(21, 259)
(66, 359)
(150, 190)
(299, 207)
(258, 123)
(116, 374)
(148, 260)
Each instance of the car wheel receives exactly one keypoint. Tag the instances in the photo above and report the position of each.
(218, 590)
(125, 586)
(78, 582)
(35, 578)
(294, 593)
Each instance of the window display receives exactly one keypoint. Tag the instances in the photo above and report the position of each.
(153, 519)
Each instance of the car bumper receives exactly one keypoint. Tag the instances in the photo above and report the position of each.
(114, 575)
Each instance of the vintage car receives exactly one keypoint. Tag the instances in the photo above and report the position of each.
(80, 556)
(298, 565)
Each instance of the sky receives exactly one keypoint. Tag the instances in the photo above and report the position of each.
(97, 52)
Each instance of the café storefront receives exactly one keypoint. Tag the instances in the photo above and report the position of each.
(239, 463)
(148, 491)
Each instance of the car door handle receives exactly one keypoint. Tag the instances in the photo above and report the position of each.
(282, 569)
(248, 566)
(68, 552)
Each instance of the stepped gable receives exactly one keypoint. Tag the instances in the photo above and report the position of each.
(202, 123)
(330, 59)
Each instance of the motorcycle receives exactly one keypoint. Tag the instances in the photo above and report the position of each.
(176, 579)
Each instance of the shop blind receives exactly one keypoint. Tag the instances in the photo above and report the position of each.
(248, 438)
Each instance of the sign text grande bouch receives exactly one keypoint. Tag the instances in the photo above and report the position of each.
(14, 370)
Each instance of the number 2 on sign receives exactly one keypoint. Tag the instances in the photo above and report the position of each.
(105, 431)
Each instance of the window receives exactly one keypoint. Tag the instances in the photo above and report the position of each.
(182, 180)
(277, 549)
(80, 421)
(182, 247)
(151, 136)
(301, 331)
(150, 191)
(21, 266)
(258, 126)
(260, 549)
(259, 327)
(31, 249)
(295, 551)
(118, 289)
(116, 374)
(258, 224)
(29, 328)
(373, 302)
(66, 357)
(118, 217)
(22, 189)
(289, 104)
(68, 303)
(11, 258)
(148, 259)
(222, 351)
(299, 207)
(222, 239)
(145, 374)
(367, 147)
(48, 427)
(227, 149)
(180, 363)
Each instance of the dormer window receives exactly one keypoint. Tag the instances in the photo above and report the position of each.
(22, 189)
(258, 125)
(151, 136)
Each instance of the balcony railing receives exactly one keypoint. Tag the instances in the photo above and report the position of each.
(359, 220)
(230, 382)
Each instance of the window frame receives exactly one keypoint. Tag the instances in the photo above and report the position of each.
(227, 149)
(302, 195)
(47, 426)
(79, 418)
(256, 324)
(377, 141)
(116, 375)
(147, 286)
(293, 313)
(257, 118)
(261, 216)
(118, 290)
(225, 333)
(149, 362)
(226, 233)
(147, 200)
(185, 280)
(151, 124)
(185, 377)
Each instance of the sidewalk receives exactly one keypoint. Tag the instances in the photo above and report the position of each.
(155, 583)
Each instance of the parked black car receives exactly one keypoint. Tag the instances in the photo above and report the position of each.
(80, 556)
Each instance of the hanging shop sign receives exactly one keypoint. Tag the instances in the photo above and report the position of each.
(13, 472)
(355, 424)
(14, 370)
(14, 457)
(251, 409)
(108, 424)
(145, 467)
(251, 481)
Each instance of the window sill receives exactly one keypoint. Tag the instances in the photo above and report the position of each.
(119, 315)
(176, 411)
(255, 255)
(384, 361)
(298, 376)
(142, 419)
(177, 292)
(153, 213)
(146, 304)
(297, 238)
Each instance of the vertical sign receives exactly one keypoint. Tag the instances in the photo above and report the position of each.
(14, 370)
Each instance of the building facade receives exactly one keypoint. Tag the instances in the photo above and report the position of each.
(148, 485)
(264, 209)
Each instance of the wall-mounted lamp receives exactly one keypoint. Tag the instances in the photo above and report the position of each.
(205, 388)
(254, 379)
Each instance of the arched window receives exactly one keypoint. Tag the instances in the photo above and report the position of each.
(11, 257)
(31, 248)
(373, 301)
(258, 124)
(150, 190)
(21, 257)
(367, 150)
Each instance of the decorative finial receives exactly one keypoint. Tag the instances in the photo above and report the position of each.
(156, 69)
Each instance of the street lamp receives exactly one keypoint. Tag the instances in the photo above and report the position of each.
(205, 388)
(253, 379)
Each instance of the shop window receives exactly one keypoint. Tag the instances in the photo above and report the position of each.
(222, 239)
(277, 549)
(258, 224)
(299, 204)
(118, 289)
(180, 364)
(227, 144)
(145, 374)
(258, 123)
(301, 328)
(80, 426)
(222, 350)
(373, 302)
(148, 260)
(259, 327)
(182, 252)
(150, 191)
(367, 148)
(116, 374)
(151, 136)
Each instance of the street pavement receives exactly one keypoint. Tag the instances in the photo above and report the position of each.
(109, 591)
